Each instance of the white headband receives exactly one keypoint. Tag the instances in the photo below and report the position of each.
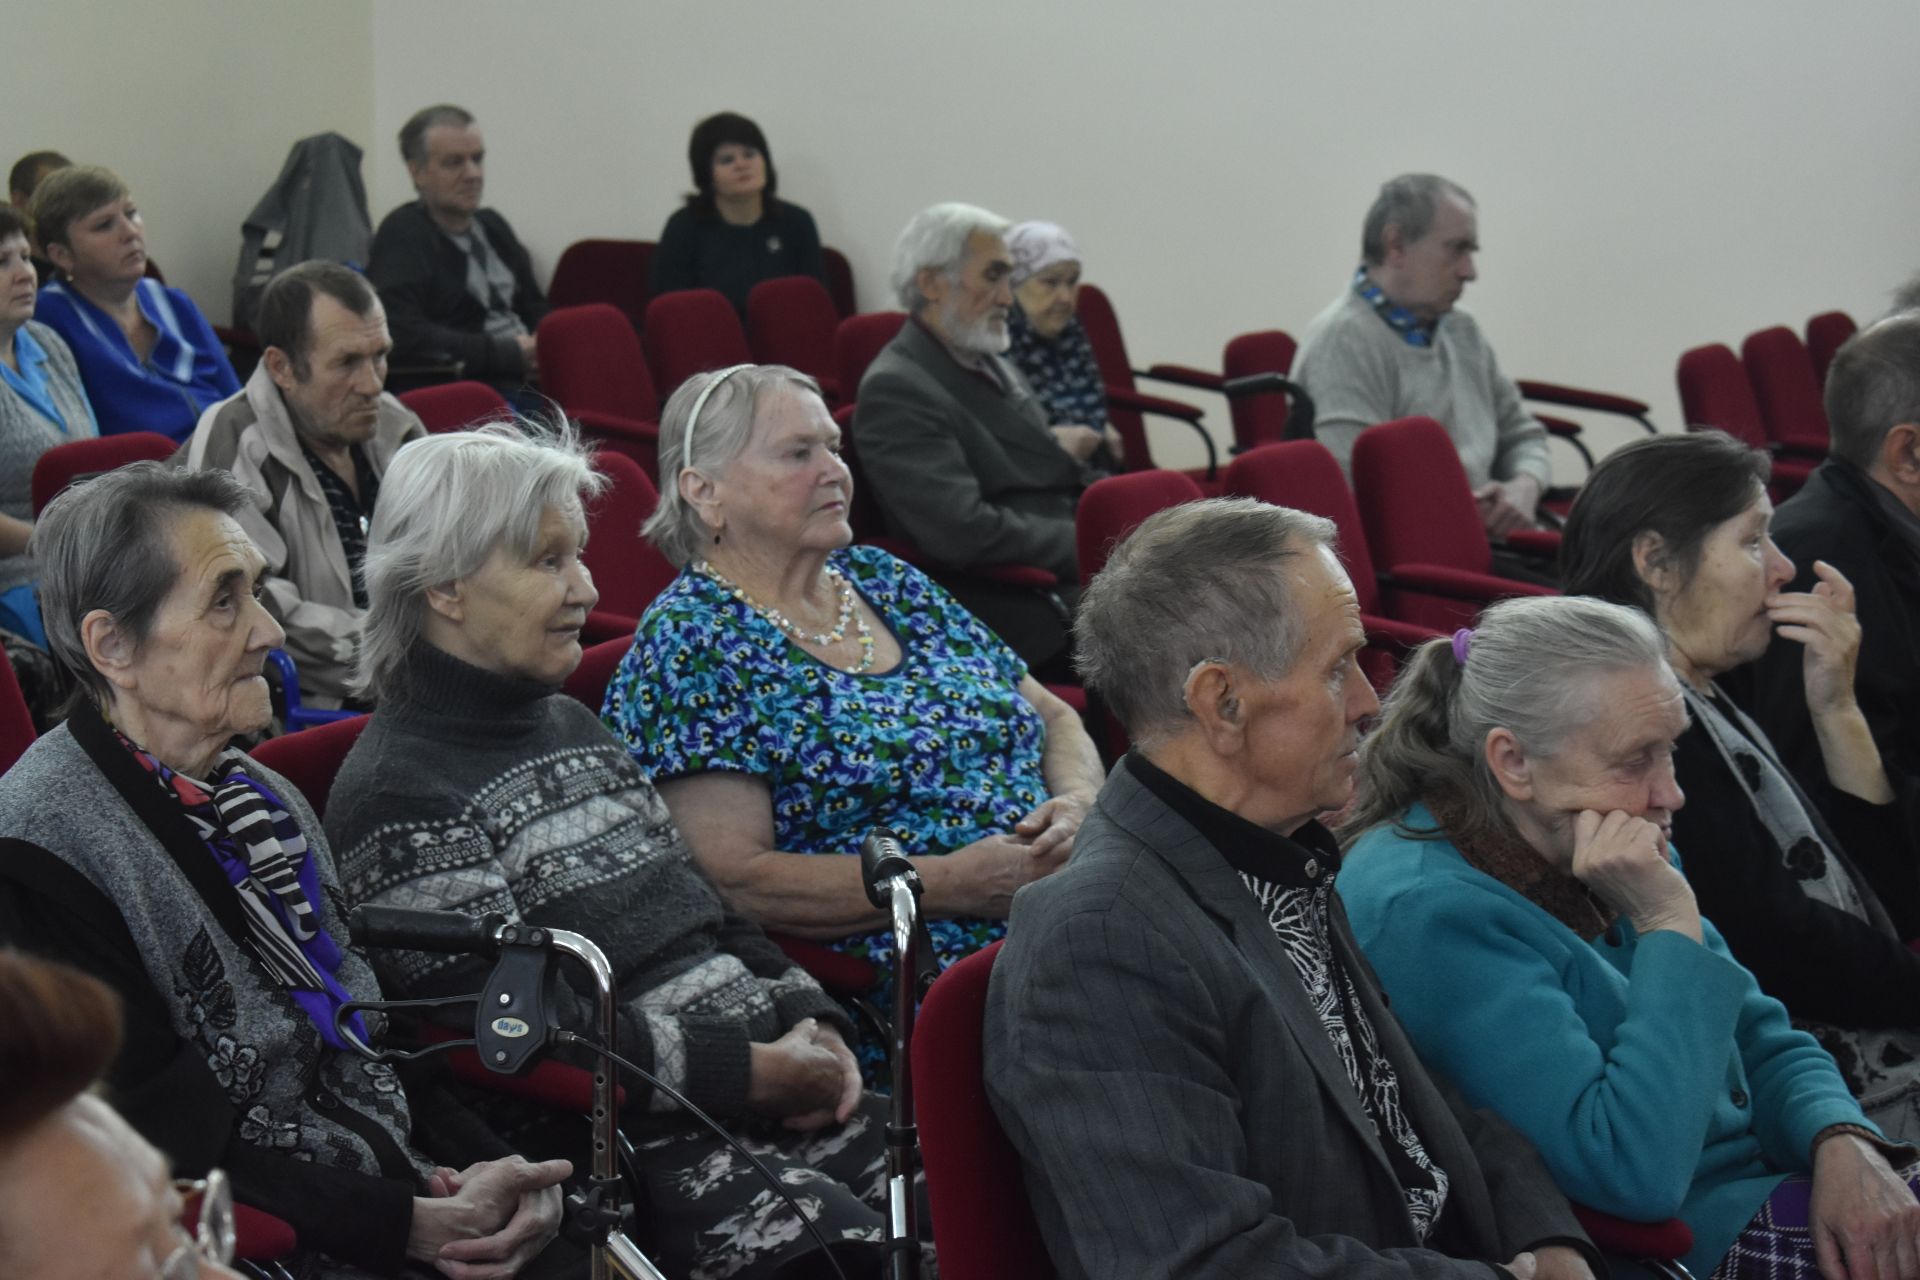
(699, 403)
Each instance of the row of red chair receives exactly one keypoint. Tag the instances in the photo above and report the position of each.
(1769, 395)
(616, 272)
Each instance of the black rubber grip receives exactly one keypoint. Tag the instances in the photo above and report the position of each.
(408, 929)
(881, 859)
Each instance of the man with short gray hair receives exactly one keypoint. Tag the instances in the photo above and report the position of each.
(1860, 512)
(952, 440)
(311, 435)
(1395, 345)
(457, 284)
(1182, 1040)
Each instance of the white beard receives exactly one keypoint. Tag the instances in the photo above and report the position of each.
(985, 335)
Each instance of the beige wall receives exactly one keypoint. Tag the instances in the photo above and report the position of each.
(193, 102)
(1650, 175)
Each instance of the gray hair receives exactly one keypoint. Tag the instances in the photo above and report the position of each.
(446, 502)
(1873, 386)
(937, 238)
(1907, 296)
(1408, 202)
(106, 544)
(719, 438)
(413, 134)
(1530, 668)
(1197, 582)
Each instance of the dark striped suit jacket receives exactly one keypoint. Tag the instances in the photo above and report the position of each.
(1177, 1104)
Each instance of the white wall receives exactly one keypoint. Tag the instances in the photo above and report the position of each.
(1650, 175)
(193, 102)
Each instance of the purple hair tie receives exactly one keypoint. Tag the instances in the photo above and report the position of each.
(1462, 646)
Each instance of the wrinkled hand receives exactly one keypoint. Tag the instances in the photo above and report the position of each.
(1558, 1262)
(1052, 828)
(1523, 1266)
(1509, 505)
(828, 1037)
(1822, 620)
(800, 1074)
(989, 871)
(1623, 859)
(487, 1221)
(1866, 1225)
(1076, 440)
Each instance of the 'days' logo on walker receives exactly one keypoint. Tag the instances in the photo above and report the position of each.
(511, 1028)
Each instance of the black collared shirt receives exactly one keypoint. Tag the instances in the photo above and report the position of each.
(352, 515)
(1291, 877)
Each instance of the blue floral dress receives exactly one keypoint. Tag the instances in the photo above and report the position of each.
(942, 748)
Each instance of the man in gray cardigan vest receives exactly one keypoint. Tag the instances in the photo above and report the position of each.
(1394, 345)
(1184, 1043)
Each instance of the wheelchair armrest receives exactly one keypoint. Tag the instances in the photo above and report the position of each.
(1459, 584)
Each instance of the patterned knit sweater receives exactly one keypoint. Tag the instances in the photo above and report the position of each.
(477, 792)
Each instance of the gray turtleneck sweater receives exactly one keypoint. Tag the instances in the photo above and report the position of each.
(477, 792)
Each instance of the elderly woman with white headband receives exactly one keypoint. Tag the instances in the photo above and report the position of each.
(1047, 340)
(788, 692)
(479, 786)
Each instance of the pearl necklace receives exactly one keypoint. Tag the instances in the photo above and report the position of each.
(848, 613)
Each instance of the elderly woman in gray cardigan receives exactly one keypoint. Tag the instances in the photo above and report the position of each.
(42, 404)
(479, 786)
(144, 850)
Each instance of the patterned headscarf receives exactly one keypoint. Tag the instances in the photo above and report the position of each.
(1035, 246)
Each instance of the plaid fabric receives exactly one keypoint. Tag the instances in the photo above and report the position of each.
(1778, 1243)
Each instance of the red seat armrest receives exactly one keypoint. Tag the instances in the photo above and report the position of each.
(1665, 1240)
(1581, 398)
(839, 973)
(1183, 375)
(1015, 575)
(602, 626)
(1392, 633)
(1460, 584)
(1557, 426)
(1127, 398)
(1534, 542)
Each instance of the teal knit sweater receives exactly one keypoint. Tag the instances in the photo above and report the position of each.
(1652, 1075)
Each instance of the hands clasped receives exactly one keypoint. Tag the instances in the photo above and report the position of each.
(807, 1079)
(488, 1220)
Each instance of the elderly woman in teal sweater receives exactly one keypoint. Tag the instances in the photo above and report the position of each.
(1513, 885)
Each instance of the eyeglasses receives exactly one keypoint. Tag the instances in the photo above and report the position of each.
(210, 1203)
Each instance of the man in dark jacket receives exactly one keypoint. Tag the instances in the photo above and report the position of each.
(456, 283)
(1860, 512)
(1184, 1043)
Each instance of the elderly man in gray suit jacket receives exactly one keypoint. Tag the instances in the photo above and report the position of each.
(953, 441)
(1183, 1041)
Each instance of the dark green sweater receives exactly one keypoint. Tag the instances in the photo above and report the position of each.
(476, 792)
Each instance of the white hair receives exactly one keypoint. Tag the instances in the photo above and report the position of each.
(937, 238)
(725, 427)
(445, 503)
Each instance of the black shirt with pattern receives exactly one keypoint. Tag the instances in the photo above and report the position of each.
(352, 515)
(1292, 879)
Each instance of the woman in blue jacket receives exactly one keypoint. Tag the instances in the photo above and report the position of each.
(149, 359)
(1514, 887)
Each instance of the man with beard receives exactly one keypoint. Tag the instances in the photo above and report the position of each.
(311, 434)
(954, 442)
